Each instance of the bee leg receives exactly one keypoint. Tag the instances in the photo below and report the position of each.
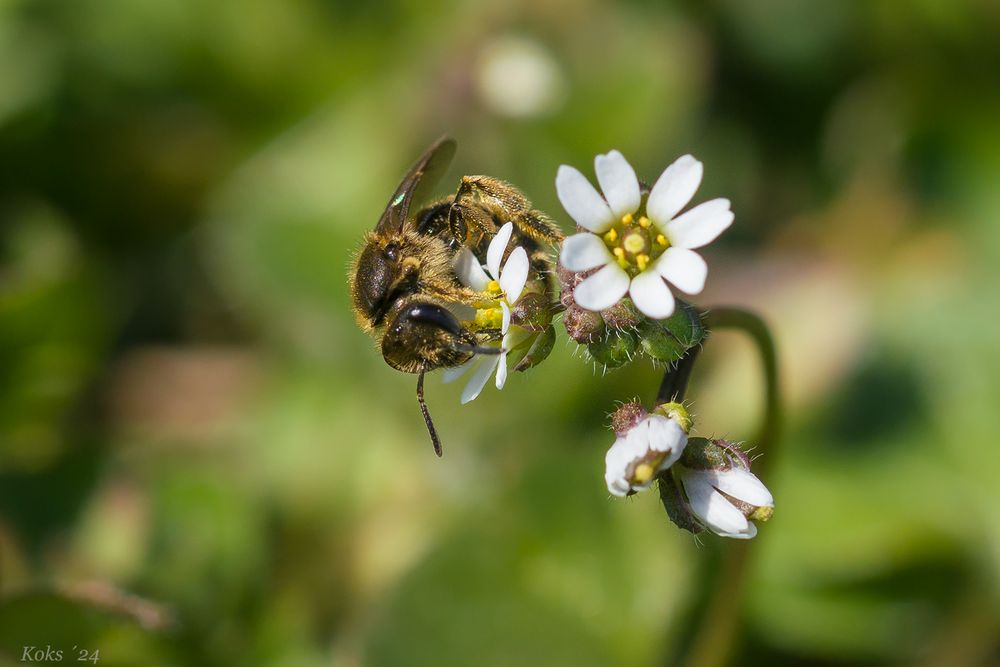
(540, 227)
(449, 291)
(426, 413)
(464, 220)
(504, 202)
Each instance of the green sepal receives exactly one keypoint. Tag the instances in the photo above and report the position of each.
(539, 350)
(673, 502)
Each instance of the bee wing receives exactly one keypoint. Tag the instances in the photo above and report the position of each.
(416, 185)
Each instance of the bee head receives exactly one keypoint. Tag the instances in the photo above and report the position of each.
(382, 275)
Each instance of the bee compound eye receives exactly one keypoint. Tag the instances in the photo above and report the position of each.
(434, 315)
(392, 251)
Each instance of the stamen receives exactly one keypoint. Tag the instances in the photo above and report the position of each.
(642, 261)
(611, 236)
(627, 219)
(493, 287)
(644, 222)
(662, 240)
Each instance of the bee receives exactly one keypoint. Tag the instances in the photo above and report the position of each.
(404, 288)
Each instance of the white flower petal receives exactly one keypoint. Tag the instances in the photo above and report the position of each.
(710, 506)
(494, 253)
(584, 251)
(618, 182)
(514, 274)
(505, 326)
(603, 289)
(479, 378)
(666, 435)
(674, 189)
(469, 271)
(620, 457)
(582, 201)
(651, 295)
(455, 372)
(743, 485)
(501, 370)
(684, 268)
(615, 462)
(701, 225)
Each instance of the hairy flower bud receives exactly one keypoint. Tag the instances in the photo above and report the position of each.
(614, 349)
(532, 312)
(627, 417)
(623, 316)
(583, 326)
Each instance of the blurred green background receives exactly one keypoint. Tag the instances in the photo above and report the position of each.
(204, 462)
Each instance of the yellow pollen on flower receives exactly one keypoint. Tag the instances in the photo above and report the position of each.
(493, 287)
(643, 473)
(662, 240)
(627, 219)
(644, 222)
(611, 236)
(642, 261)
(634, 243)
(489, 318)
(620, 257)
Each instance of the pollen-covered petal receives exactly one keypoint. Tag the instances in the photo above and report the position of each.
(479, 377)
(583, 203)
(701, 225)
(514, 274)
(603, 289)
(674, 189)
(584, 251)
(469, 271)
(651, 295)
(711, 507)
(743, 485)
(618, 182)
(455, 372)
(501, 370)
(494, 253)
(684, 268)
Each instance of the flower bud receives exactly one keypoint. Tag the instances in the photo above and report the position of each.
(583, 326)
(614, 349)
(623, 316)
(646, 444)
(719, 491)
(532, 312)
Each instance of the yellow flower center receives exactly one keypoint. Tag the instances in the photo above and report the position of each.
(635, 243)
(488, 318)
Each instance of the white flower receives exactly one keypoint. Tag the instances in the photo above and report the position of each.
(652, 445)
(506, 285)
(724, 500)
(635, 251)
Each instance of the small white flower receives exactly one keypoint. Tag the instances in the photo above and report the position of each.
(724, 500)
(636, 252)
(653, 444)
(506, 285)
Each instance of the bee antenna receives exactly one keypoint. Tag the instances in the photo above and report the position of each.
(427, 415)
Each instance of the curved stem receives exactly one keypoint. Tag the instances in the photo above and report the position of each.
(716, 631)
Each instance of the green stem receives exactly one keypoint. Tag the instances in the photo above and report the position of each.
(716, 632)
